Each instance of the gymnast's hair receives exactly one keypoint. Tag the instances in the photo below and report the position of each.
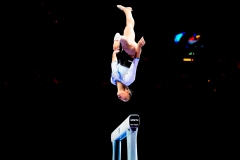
(130, 92)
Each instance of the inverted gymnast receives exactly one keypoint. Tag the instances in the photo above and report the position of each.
(124, 68)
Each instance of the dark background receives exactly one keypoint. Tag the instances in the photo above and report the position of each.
(57, 99)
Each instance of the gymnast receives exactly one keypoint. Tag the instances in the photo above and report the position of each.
(125, 59)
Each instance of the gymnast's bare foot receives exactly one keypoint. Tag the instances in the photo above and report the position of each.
(124, 8)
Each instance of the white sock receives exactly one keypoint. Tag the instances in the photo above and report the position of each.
(117, 37)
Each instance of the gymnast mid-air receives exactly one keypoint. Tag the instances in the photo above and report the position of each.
(125, 59)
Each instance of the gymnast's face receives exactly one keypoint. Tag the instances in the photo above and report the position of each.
(123, 95)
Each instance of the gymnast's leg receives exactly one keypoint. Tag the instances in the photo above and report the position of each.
(128, 38)
(129, 29)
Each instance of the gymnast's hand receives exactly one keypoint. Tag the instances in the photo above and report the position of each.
(141, 42)
(116, 45)
(116, 51)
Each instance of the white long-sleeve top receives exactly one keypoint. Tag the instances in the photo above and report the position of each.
(123, 74)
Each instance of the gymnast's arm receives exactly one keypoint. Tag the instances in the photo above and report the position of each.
(114, 67)
(140, 44)
(138, 53)
(131, 73)
(114, 56)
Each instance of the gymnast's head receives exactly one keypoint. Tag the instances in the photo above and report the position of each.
(125, 94)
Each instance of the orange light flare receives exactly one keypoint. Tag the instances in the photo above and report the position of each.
(188, 59)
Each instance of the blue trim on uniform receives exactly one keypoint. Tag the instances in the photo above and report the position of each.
(120, 76)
